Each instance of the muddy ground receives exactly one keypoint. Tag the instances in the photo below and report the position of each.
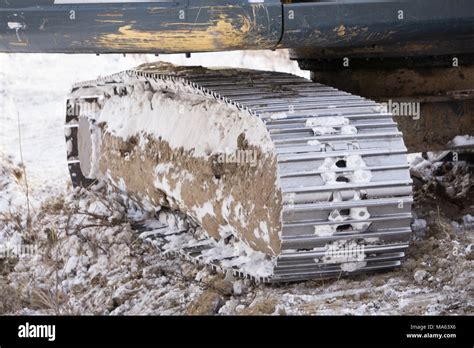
(90, 261)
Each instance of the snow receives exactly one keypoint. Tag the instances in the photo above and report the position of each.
(205, 209)
(327, 121)
(330, 124)
(313, 143)
(156, 113)
(355, 162)
(348, 130)
(419, 166)
(419, 225)
(164, 185)
(420, 275)
(279, 116)
(12, 188)
(468, 219)
(463, 140)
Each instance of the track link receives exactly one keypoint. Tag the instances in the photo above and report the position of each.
(341, 159)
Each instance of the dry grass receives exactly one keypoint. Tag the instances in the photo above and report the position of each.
(10, 299)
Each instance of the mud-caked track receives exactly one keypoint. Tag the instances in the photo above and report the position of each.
(342, 173)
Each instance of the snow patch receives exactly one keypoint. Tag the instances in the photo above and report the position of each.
(463, 140)
(159, 112)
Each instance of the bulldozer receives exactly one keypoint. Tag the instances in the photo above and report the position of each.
(289, 178)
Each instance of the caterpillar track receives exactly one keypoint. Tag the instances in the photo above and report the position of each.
(342, 167)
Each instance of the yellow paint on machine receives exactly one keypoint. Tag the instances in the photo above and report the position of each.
(109, 21)
(110, 15)
(341, 30)
(220, 34)
(24, 44)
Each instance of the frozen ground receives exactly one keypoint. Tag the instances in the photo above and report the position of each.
(87, 260)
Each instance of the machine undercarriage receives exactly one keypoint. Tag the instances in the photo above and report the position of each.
(301, 179)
